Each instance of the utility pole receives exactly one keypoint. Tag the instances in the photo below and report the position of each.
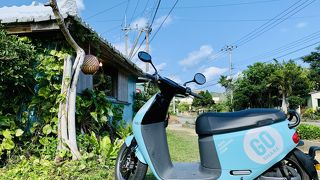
(229, 49)
(147, 31)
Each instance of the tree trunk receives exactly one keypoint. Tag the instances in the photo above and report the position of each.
(71, 88)
(284, 104)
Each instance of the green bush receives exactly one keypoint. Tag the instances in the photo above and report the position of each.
(89, 167)
(311, 114)
(307, 131)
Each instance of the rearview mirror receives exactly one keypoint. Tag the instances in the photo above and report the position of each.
(199, 78)
(145, 57)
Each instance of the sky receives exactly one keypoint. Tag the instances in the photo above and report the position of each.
(192, 37)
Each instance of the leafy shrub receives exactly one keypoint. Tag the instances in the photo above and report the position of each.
(311, 114)
(307, 131)
(89, 167)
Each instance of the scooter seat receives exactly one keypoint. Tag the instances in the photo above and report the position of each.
(218, 123)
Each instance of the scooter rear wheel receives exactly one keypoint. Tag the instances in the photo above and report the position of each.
(128, 165)
(292, 161)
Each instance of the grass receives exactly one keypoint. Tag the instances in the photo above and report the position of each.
(183, 147)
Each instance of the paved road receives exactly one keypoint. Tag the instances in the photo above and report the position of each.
(313, 123)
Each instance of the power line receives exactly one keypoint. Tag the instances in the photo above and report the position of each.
(125, 13)
(155, 13)
(222, 5)
(239, 20)
(288, 46)
(264, 28)
(265, 24)
(298, 50)
(105, 10)
(134, 12)
(164, 20)
(294, 51)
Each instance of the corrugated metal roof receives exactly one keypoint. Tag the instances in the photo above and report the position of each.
(36, 12)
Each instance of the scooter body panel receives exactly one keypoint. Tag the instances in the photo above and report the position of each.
(254, 150)
(136, 128)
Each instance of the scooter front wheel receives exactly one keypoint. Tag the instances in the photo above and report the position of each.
(128, 165)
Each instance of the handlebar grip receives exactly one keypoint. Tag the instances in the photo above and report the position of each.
(196, 95)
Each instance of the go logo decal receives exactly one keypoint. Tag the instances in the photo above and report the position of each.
(263, 144)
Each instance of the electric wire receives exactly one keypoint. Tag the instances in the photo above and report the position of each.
(267, 28)
(265, 24)
(286, 47)
(239, 20)
(157, 29)
(155, 13)
(134, 12)
(164, 20)
(105, 10)
(222, 5)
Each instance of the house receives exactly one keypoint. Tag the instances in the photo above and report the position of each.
(314, 100)
(37, 21)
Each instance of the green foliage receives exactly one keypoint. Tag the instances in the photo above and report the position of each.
(96, 113)
(89, 167)
(17, 58)
(220, 107)
(30, 85)
(141, 98)
(100, 146)
(183, 107)
(205, 102)
(263, 85)
(295, 101)
(314, 60)
(310, 114)
(307, 131)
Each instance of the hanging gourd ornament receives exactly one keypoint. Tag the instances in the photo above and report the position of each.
(90, 64)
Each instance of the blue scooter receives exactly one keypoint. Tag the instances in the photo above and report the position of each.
(250, 144)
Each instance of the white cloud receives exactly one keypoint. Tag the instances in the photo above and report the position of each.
(139, 23)
(301, 25)
(159, 20)
(142, 22)
(213, 72)
(195, 57)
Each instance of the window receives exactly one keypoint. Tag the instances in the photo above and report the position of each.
(113, 82)
(103, 80)
(318, 103)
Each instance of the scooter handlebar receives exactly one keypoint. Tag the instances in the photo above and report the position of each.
(189, 92)
(186, 90)
(152, 77)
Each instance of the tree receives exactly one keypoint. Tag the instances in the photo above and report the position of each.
(314, 60)
(205, 102)
(67, 124)
(264, 84)
(253, 89)
(291, 79)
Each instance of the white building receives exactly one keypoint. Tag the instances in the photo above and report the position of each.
(314, 100)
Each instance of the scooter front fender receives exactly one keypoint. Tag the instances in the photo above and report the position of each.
(128, 142)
